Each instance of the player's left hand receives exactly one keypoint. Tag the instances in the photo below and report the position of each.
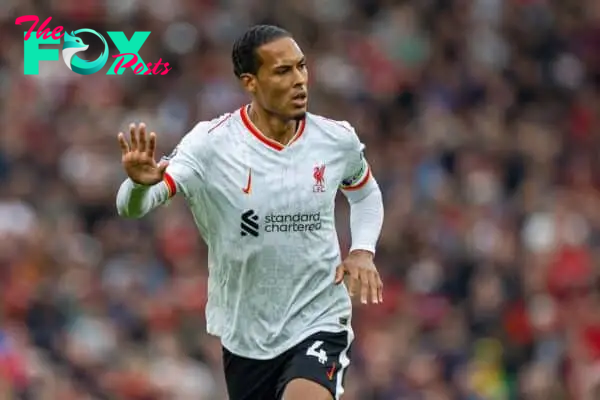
(363, 274)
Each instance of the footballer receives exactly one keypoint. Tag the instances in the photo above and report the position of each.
(261, 183)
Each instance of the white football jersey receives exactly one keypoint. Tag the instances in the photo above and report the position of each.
(266, 213)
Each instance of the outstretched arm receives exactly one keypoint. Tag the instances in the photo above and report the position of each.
(135, 201)
(150, 184)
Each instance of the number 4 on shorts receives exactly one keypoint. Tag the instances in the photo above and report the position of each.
(316, 351)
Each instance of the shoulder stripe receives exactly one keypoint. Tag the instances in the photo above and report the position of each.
(225, 118)
(342, 124)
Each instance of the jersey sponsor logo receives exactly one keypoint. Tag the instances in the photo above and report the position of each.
(319, 175)
(248, 187)
(299, 222)
(280, 223)
(249, 224)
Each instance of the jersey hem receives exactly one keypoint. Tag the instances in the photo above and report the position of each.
(282, 349)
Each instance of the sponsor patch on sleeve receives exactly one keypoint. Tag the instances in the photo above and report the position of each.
(170, 156)
(357, 176)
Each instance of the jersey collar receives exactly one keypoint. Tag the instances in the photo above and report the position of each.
(264, 139)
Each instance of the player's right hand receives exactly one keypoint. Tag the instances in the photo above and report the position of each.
(138, 156)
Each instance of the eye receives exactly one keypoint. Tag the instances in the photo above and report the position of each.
(282, 70)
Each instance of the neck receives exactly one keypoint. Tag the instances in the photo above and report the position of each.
(271, 126)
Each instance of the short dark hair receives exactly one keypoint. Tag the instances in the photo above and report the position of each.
(244, 57)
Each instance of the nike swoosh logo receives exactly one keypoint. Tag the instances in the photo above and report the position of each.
(248, 187)
(331, 372)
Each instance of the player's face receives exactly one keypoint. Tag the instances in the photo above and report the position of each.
(280, 86)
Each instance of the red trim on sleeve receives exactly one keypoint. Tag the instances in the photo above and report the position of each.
(170, 184)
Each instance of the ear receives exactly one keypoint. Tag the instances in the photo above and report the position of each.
(249, 82)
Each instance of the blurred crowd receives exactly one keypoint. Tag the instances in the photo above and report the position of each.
(481, 122)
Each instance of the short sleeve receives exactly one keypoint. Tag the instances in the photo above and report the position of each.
(186, 170)
(357, 171)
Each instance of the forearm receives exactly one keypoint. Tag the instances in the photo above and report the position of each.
(136, 201)
(366, 216)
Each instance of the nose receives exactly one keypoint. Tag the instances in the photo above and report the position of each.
(300, 77)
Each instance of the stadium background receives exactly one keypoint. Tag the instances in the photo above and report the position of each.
(481, 123)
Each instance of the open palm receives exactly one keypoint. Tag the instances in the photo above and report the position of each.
(138, 156)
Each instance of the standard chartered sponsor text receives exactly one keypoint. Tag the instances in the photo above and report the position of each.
(299, 222)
